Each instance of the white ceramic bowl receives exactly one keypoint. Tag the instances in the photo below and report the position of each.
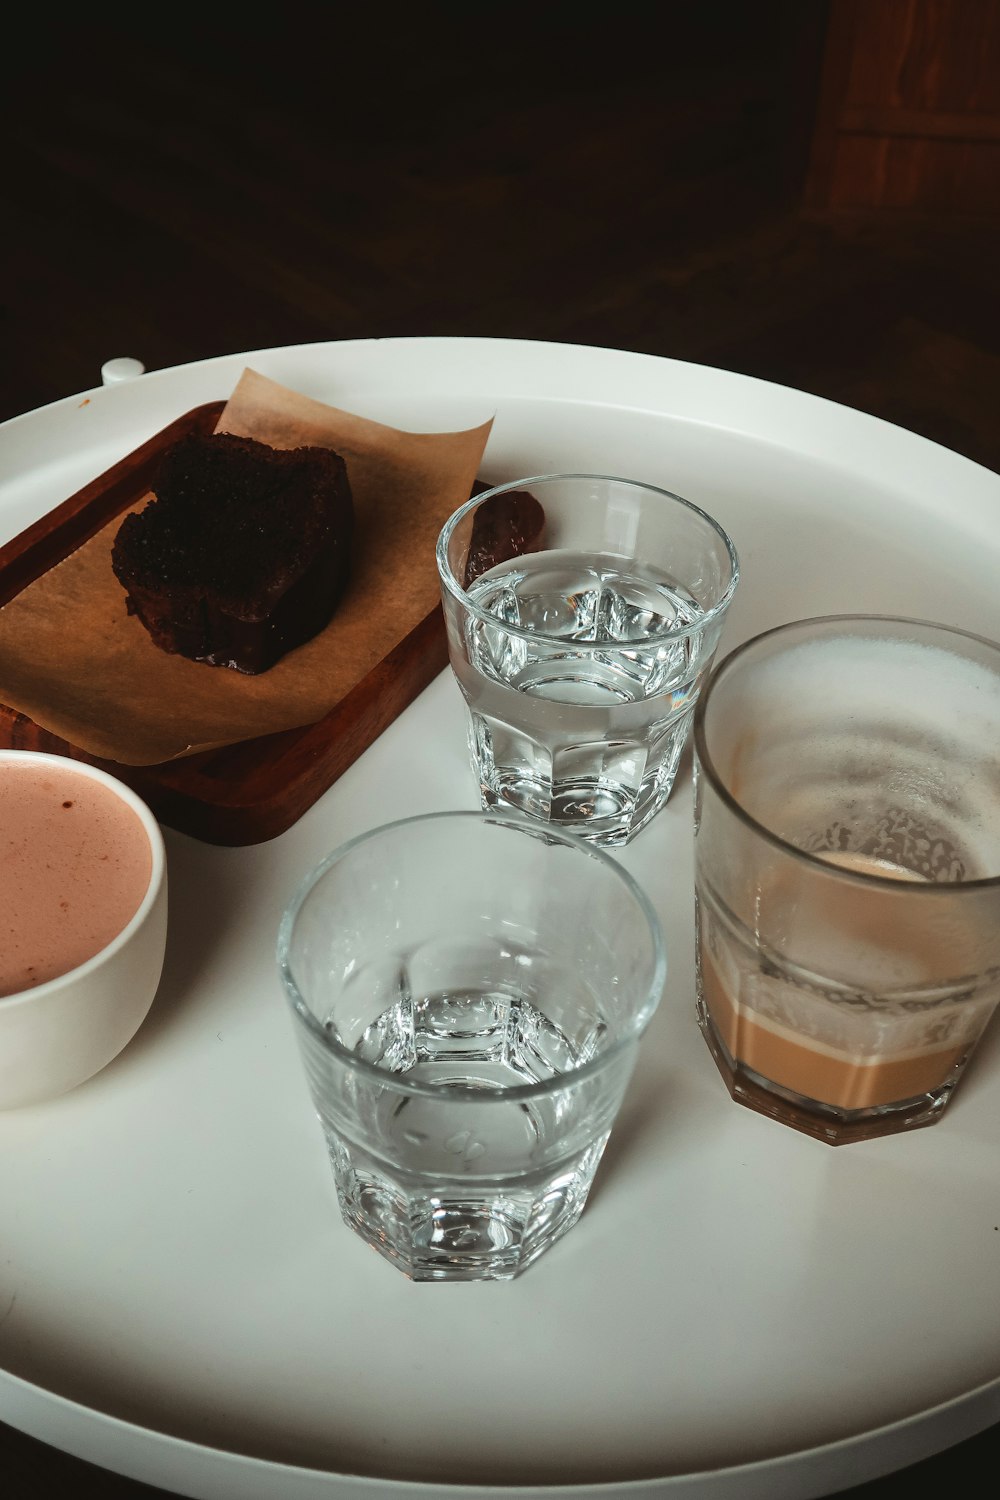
(61, 1032)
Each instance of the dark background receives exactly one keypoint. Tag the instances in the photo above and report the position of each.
(639, 179)
(802, 191)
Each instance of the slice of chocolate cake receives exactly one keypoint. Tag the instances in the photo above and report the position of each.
(242, 554)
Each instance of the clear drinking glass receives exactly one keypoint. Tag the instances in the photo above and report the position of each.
(468, 992)
(847, 869)
(583, 612)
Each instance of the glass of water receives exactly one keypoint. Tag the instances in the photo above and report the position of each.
(469, 993)
(583, 613)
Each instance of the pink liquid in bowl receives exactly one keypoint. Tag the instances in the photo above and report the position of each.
(75, 864)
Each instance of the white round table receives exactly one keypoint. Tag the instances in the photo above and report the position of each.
(742, 1311)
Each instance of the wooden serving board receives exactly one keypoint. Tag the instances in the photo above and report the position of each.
(253, 790)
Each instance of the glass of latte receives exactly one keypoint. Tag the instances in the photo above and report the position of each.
(847, 854)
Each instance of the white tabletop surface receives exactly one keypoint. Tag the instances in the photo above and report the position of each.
(742, 1311)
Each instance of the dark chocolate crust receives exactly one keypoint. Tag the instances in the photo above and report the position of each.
(503, 527)
(242, 554)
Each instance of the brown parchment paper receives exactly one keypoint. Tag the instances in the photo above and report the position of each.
(79, 666)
